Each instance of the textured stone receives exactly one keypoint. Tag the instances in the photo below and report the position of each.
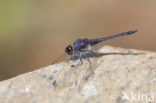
(107, 79)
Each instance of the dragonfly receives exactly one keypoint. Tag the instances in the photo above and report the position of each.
(82, 46)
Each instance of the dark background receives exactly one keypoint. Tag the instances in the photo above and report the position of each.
(33, 33)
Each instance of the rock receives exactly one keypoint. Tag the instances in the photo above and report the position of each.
(117, 76)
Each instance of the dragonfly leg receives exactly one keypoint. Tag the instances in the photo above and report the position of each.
(78, 64)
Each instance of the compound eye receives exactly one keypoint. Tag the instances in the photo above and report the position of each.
(69, 50)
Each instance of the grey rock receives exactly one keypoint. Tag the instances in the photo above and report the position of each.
(108, 79)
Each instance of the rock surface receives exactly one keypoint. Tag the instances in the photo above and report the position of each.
(124, 76)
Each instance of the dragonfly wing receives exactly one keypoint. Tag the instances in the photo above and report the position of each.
(61, 58)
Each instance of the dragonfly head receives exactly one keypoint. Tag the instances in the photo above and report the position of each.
(69, 50)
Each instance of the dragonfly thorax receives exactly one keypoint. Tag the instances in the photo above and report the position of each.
(80, 44)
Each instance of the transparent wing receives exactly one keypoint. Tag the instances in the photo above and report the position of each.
(61, 58)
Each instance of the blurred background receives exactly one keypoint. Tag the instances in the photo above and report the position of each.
(33, 33)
